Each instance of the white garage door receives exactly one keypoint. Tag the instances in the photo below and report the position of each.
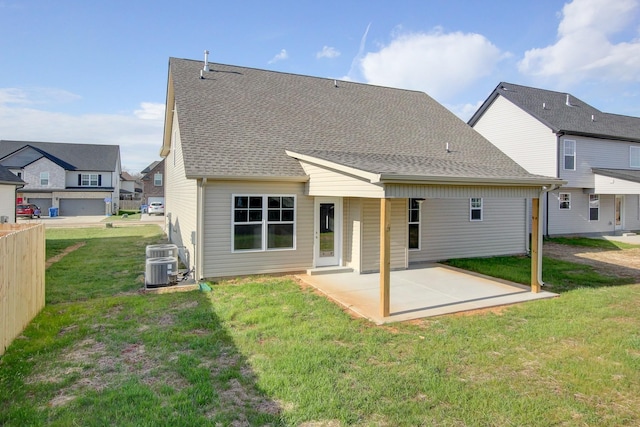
(78, 207)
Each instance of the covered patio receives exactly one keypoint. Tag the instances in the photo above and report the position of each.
(425, 290)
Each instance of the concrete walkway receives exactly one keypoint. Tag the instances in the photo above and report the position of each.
(425, 291)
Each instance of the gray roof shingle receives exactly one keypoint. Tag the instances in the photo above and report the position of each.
(239, 121)
(8, 177)
(626, 174)
(551, 109)
(81, 157)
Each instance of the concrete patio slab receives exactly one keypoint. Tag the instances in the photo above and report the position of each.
(424, 291)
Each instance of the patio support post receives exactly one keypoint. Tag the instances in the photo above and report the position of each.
(535, 266)
(385, 255)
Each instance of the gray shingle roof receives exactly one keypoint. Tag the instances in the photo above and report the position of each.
(7, 177)
(550, 108)
(239, 121)
(81, 157)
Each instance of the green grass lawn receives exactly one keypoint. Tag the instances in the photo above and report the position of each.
(264, 351)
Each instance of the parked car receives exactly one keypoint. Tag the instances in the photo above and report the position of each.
(156, 208)
(30, 210)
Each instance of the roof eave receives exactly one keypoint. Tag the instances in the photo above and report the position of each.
(457, 180)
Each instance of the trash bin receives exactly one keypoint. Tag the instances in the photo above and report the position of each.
(143, 208)
(53, 212)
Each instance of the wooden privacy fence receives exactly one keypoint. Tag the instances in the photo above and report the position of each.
(22, 264)
(129, 204)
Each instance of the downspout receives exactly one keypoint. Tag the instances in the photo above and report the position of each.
(199, 247)
(540, 228)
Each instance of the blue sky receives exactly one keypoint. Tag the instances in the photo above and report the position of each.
(96, 72)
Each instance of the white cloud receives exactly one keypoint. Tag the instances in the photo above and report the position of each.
(280, 57)
(36, 95)
(328, 52)
(150, 111)
(584, 48)
(440, 64)
(464, 111)
(139, 133)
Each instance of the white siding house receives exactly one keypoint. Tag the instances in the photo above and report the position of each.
(271, 172)
(9, 183)
(597, 154)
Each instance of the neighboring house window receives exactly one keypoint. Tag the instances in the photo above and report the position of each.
(19, 174)
(157, 180)
(263, 222)
(414, 223)
(565, 200)
(594, 207)
(569, 155)
(89, 180)
(44, 178)
(475, 209)
(634, 157)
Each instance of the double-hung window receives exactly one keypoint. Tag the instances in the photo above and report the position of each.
(89, 180)
(564, 200)
(414, 223)
(157, 180)
(634, 157)
(594, 207)
(44, 179)
(263, 222)
(475, 209)
(569, 155)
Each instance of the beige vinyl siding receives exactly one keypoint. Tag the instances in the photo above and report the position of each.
(371, 235)
(352, 214)
(219, 258)
(576, 219)
(413, 191)
(446, 231)
(520, 136)
(327, 182)
(180, 198)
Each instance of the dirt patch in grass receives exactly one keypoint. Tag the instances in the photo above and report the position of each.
(616, 263)
(62, 254)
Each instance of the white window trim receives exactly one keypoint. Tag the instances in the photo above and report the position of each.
(590, 207)
(264, 222)
(419, 223)
(564, 154)
(44, 174)
(89, 179)
(472, 208)
(633, 148)
(560, 201)
(157, 174)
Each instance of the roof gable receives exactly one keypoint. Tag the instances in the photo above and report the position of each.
(564, 113)
(240, 121)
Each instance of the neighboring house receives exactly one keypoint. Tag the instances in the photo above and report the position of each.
(153, 182)
(79, 179)
(9, 183)
(555, 134)
(272, 172)
(130, 187)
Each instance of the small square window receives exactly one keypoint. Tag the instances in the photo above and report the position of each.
(564, 200)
